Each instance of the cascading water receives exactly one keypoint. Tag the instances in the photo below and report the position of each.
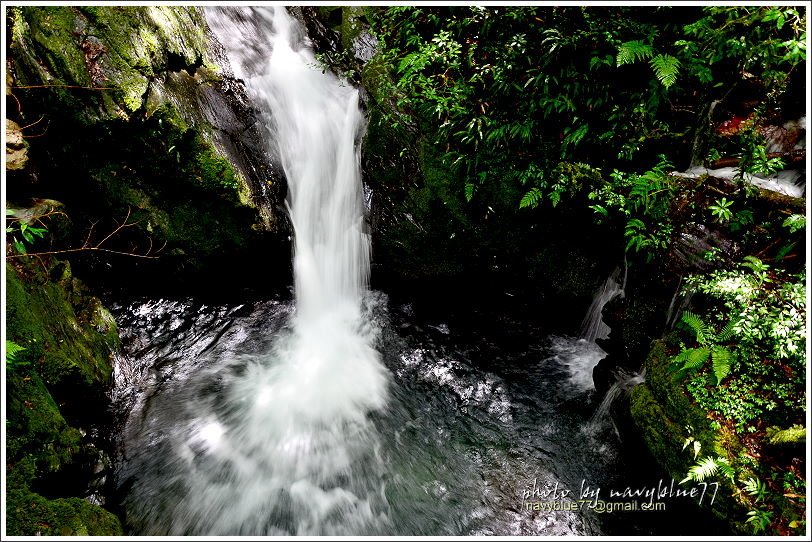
(275, 450)
(624, 382)
(593, 326)
(280, 418)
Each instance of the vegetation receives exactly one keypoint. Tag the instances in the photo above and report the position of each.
(544, 107)
(541, 141)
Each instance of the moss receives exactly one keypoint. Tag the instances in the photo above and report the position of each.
(351, 25)
(666, 417)
(37, 431)
(48, 319)
(67, 336)
(213, 170)
(792, 435)
(114, 48)
(30, 514)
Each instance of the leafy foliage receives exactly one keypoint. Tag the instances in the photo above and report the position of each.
(12, 350)
(666, 69)
(707, 468)
(721, 357)
(721, 210)
(755, 488)
(765, 329)
(633, 51)
(21, 233)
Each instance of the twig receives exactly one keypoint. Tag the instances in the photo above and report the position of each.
(81, 249)
(86, 246)
(63, 86)
(33, 123)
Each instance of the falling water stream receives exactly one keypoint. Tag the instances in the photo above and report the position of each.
(337, 412)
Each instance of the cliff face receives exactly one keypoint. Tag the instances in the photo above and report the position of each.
(136, 114)
(119, 117)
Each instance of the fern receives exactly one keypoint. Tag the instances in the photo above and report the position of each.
(707, 468)
(728, 331)
(722, 360)
(469, 191)
(698, 326)
(12, 349)
(755, 488)
(531, 199)
(694, 357)
(666, 69)
(726, 469)
(632, 51)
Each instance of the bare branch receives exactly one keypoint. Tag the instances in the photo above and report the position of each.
(87, 245)
(62, 86)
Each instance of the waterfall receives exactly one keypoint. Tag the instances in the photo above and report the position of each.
(593, 327)
(284, 444)
(624, 382)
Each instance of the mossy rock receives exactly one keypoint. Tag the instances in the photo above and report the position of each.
(666, 417)
(36, 429)
(54, 386)
(130, 101)
(67, 336)
(113, 49)
(31, 514)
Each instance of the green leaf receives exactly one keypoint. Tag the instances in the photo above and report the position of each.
(697, 325)
(727, 331)
(722, 359)
(696, 357)
(531, 198)
(599, 209)
(632, 51)
(706, 468)
(784, 250)
(795, 222)
(12, 349)
(666, 69)
(469, 191)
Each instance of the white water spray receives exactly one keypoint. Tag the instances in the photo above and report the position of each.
(285, 446)
(593, 326)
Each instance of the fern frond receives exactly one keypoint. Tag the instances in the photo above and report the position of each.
(725, 468)
(722, 360)
(755, 488)
(531, 199)
(632, 51)
(697, 325)
(12, 349)
(707, 468)
(728, 331)
(666, 69)
(696, 357)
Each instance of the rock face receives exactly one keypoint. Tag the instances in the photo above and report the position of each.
(16, 147)
(142, 117)
(56, 396)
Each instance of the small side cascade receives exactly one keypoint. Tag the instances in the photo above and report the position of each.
(624, 382)
(593, 327)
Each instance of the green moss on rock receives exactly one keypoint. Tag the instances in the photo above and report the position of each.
(67, 336)
(666, 417)
(52, 321)
(114, 49)
(31, 514)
